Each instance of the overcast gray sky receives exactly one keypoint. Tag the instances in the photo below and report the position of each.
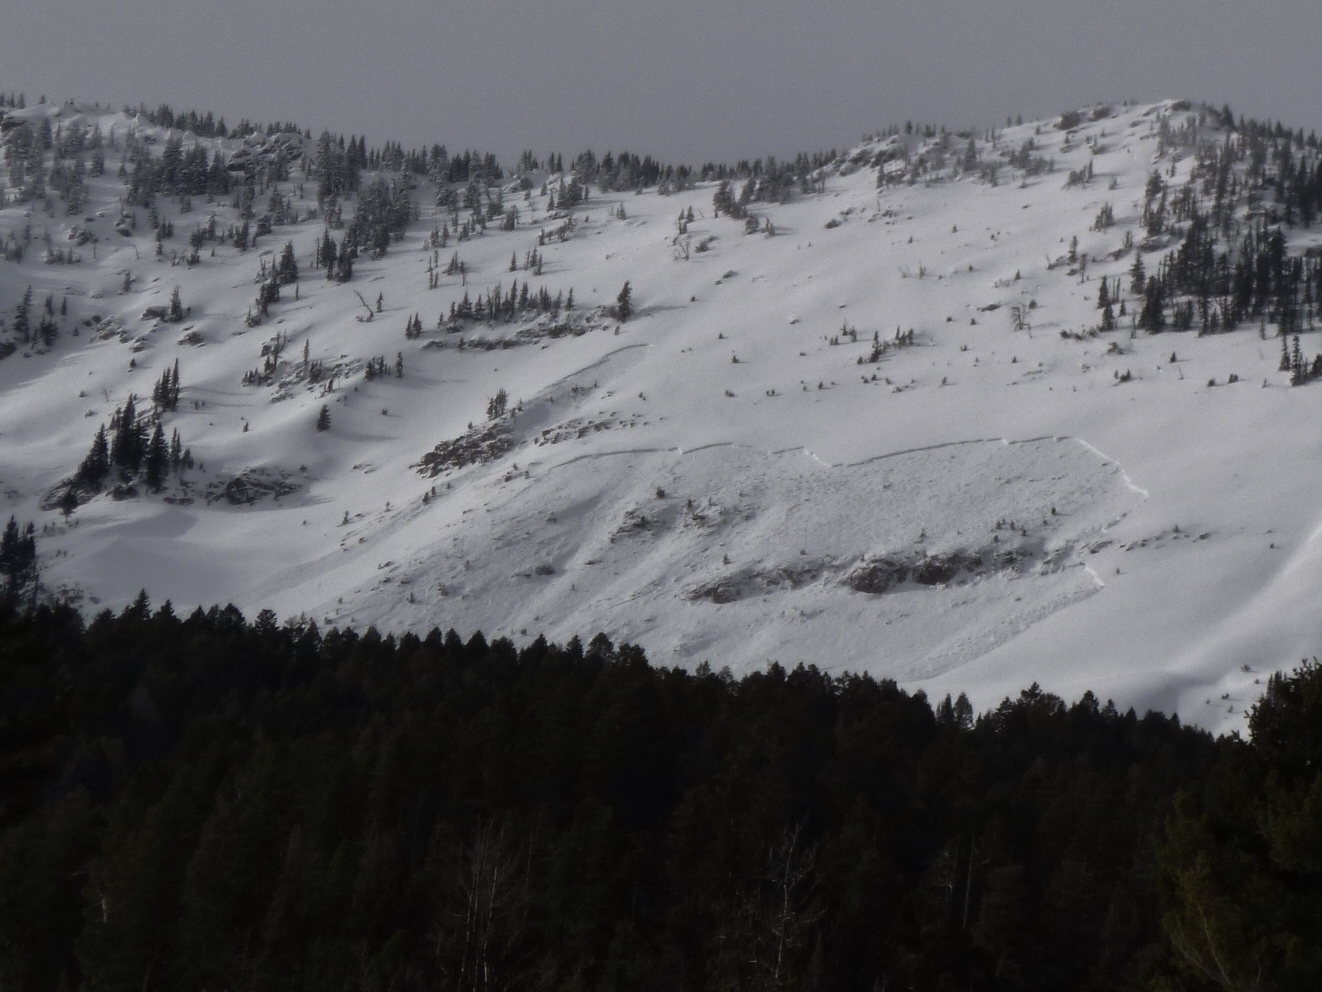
(682, 80)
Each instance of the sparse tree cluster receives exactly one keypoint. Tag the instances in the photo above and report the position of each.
(498, 304)
(1293, 361)
(272, 352)
(336, 259)
(177, 172)
(1218, 290)
(1232, 262)
(40, 327)
(376, 368)
(336, 168)
(165, 394)
(204, 125)
(384, 211)
(134, 448)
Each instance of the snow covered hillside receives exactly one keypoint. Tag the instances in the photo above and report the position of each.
(877, 426)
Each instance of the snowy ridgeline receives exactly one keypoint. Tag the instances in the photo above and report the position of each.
(966, 410)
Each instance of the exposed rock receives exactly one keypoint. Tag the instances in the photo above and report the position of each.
(748, 582)
(476, 447)
(878, 575)
(251, 486)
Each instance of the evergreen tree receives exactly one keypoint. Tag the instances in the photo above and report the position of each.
(47, 330)
(326, 252)
(344, 265)
(96, 465)
(129, 442)
(287, 267)
(1104, 304)
(22, 320)
(156, 461)
(18, 556)
(722, 199)
(624, 303)
(169, 388)
(323, 418)
(1152, 317)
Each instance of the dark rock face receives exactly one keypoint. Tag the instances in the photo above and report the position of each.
(748, 582)
(937, 570)
(251, 486)
(476, 447)
(872, 576)
(875, 576)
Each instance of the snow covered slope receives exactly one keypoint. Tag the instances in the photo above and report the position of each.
(740, 472)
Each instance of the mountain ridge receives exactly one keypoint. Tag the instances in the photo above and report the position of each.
(893, 304)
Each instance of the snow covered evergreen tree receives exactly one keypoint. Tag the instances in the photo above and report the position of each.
(624, 303)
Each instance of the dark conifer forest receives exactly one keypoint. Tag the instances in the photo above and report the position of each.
(212, 803)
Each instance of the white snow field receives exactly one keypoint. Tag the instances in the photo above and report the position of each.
(715, 479)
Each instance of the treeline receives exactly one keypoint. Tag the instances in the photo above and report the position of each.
(205, 802)
(204, 125)
(339, 163)
(335, 166)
